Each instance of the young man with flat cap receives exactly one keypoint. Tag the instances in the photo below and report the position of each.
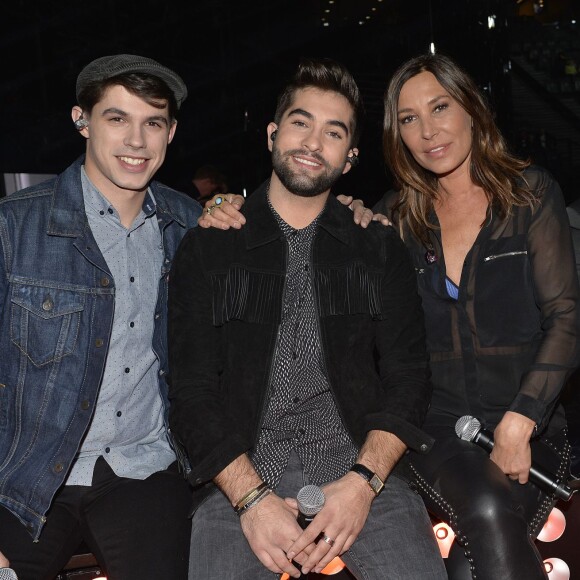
(286, 316)
(85, 451)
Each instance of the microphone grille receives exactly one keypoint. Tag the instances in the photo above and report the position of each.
(467, 427)
(310, 500)
(7, 574)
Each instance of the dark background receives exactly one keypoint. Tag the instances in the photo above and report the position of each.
(236, 55)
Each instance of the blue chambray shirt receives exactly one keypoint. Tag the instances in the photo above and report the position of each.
(127, 428)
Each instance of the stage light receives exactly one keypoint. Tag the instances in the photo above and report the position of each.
(444, 536)
(432, 48)
(491, 21)
(557, 569)
(554, 526)
(334, 567)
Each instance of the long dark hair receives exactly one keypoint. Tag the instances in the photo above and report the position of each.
(493, 168)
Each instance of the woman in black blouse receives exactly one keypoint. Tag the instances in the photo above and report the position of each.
(491, 246)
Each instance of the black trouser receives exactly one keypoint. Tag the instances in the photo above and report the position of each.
(495, 519)
(135, 528)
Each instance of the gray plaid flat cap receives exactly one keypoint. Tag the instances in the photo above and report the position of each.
(110, 66)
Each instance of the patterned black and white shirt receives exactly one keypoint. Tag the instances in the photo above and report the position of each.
(301, 413)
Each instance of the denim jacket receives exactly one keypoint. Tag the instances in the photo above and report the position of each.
(57, 298)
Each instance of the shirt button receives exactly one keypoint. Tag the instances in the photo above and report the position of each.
(424, 448)
(301, 431)
(58, 467)
(161, 372)
(110, 210)
(306, 267)
(48, 305)
(296, 399)
(131, 324)
(85, 405)
(119, 413)
(157, 316)
(105, 281)
(102, 212)
(99, 342)
(132, 279)
(107, 449)
(127, 369)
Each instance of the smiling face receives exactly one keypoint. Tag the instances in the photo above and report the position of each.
(312, 142)
(433, 126)
(126, 142)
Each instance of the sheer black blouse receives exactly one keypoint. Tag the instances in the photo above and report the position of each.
(510, 339)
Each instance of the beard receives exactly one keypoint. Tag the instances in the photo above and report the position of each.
(299, 183)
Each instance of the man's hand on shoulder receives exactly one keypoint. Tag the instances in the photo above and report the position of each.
(346, 508)
(223, 212)
(363, 216)
(271, 528)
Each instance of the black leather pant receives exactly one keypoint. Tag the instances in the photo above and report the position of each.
(495, 519)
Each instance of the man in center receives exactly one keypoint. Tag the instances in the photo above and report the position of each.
(310, 364)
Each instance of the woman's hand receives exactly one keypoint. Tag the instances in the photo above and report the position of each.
(511, 450)
(363, 216)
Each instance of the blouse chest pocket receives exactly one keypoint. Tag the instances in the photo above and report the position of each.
(44, 322)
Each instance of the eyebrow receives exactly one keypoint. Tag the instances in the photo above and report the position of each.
(333, 122)
(122, 113)
(429, 102)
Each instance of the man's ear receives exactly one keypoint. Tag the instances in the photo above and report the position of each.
(80, 122)
(351, 160)
(172, 131)
(272, 131)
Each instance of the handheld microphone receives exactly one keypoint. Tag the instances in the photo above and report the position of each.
(310, 501)
(469, 429)
(7, 574)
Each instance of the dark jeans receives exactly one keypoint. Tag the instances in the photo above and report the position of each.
(397, 541)
(495, 519)
(135, 528)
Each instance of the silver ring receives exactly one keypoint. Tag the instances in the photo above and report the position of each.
(328, 540)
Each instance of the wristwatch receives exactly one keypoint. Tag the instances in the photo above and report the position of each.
(374, 481)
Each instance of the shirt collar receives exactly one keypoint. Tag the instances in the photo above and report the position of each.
(101, 205)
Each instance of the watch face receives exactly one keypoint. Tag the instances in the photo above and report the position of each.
(376, 484)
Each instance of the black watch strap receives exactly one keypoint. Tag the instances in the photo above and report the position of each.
(374, 481)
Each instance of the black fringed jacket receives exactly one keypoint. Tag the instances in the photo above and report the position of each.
(225, 300)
